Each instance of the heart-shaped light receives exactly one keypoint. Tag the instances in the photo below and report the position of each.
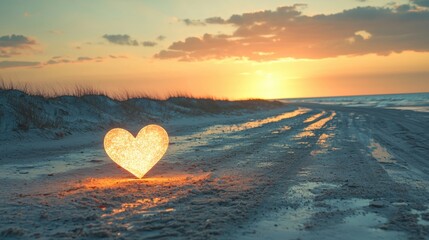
(136, 154)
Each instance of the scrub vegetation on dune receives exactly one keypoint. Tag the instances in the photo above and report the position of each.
(87, 90)
(84, 108)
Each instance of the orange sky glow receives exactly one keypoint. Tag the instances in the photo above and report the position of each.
(275, 49)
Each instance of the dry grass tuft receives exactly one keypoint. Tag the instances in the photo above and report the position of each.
(81, 91)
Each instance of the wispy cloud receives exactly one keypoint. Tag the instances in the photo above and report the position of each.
(161, 38)
(11, 45)
(57, 60)
(215, 20)
(63, 60)
(16, 41)
(191, 22)
(117, 56)
(166, 54)
(149, 44)
(125, 39)
(121, 39)
(288, 33)
(14, 64)
(81, 59)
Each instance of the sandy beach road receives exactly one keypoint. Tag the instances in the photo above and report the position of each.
(307, 171)
(363, 180)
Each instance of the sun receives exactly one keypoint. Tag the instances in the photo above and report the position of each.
(269, 85)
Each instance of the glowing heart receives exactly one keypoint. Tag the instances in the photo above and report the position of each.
(136, 154)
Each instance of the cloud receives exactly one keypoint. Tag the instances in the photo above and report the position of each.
(288, 33)
(120, 39)
(165, 54)
(149, 44)
(215, 20)
(56, 60)
(161, 38)
(11, 45)
(423, 3)
(190, 22)
(81, 59)
(16, 41)
(64, 60)
(127, 40)
(115, 56)
(12, 64)
(404, 7)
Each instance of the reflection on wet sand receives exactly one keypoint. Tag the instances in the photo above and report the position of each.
(308, 131)
(222, 129)
(380, 153)
(282, 129)
(323, 144)
(259, 123)
(322, 139)
(141, 206)
(120, 198)
(160, 205)
(304, 134)
(319, 124)
(314, 117)
(204, 138)
(177, 179)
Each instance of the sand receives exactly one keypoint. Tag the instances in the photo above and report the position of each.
(302, 171)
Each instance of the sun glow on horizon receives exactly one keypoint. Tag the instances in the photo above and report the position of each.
(240, 50)
(268, 85)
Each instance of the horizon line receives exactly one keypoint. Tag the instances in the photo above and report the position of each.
(353, 95)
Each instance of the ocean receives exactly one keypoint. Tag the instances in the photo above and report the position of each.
(410, 101)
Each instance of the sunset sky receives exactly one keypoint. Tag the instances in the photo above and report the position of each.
(234, 49)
